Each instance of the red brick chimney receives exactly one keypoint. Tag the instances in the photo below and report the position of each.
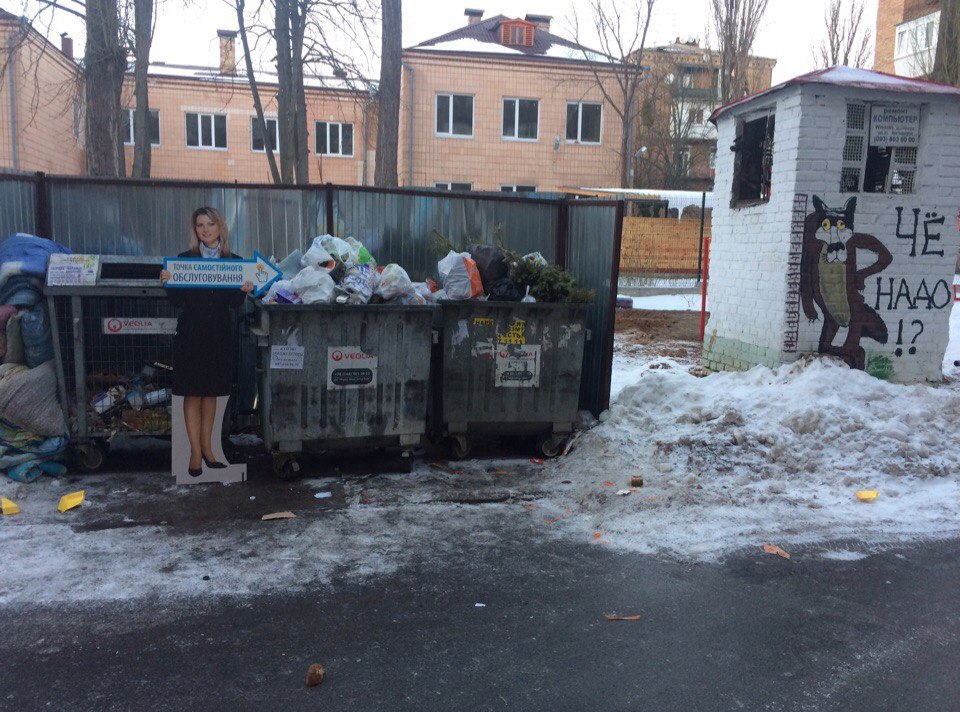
(66, 45)
(228, 51)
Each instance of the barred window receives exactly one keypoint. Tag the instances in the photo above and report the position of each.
(869, 168)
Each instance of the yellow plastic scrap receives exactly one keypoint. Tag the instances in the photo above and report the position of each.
(867, 495)
(69, 501)
(9, 506)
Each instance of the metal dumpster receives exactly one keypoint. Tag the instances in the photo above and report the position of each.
(510, 368)
(115, 334)
(336, 377)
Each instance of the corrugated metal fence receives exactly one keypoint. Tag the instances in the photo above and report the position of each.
(127, 217)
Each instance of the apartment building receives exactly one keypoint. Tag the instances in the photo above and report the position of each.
(504, 104)
(678, 144)
(202, 118)
(906, 36)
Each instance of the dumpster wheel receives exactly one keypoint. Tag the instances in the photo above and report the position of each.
(286, 467)
(461, 446)
(552, 445)
(91, 455)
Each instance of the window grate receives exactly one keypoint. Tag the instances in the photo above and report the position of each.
(902, 181)
(849, 180)
(853, 150)
(856, 117)
(905, 156)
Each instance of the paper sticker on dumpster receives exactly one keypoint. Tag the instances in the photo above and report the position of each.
(285, 357)
(121, 325)
(518, 366)
(350, 367)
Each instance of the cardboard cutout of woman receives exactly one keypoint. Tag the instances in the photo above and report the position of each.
(204, 359)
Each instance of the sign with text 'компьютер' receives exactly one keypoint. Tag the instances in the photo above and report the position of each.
(199, 273)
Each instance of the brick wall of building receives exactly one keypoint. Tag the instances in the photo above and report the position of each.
(754, 287)
(174, 98)
(487, 160)
(47, 93)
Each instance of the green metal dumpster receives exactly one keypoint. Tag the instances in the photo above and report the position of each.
(336, 377)
(509, 368)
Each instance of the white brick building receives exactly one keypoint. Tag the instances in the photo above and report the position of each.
(835, 226)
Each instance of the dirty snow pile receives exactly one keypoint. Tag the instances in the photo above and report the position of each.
(735, 459)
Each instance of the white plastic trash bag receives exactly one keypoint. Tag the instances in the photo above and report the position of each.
(358, 286)
(394, 283)
(460, 276)
(271, 296)
(359, 253)
(317, 257)
(339, 248)
(313, 286)
(537, 258)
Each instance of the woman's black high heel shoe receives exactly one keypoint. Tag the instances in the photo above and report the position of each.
(194, 473)
(212, 464)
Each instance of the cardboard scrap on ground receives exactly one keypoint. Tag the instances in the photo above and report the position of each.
(867, 495)
(69, 501)
(278, 515)
(610, 617)
(9, 506)
(774, 549)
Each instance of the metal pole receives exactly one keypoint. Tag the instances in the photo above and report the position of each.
(42, 206)
(607, 359)
(703, 215)
(329, 201)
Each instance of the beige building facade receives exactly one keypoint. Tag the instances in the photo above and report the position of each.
(493, 116)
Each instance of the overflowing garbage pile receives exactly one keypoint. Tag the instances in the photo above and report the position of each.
(342, 271)
(33, 433)
(134, 403)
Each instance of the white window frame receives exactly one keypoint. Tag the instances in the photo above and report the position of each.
(128, 141)
(579, 140)
(516, 119)
(448, 185)
(512, 188)
(276, 133)
(473, 115)
(341, 124)
(861, 165)
(213, 131)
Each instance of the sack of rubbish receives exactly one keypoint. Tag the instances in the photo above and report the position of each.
(491, 263)
(37, 335)
(271, 296)
(361, 253)
(317, 257)
(503, 290)
(358, 286)
(423, 289)
(338, 248)
(460, 276)
(537, 258)
(28, 399)
(410, 299)
(394, 283)
(313, 286)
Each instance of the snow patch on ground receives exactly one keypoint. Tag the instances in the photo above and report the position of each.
(736, 459)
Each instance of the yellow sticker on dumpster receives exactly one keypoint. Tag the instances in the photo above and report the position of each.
(516, 334)
(482, 321)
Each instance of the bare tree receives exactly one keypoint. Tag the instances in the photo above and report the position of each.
(104, 66)
(735, 23)
(388, 113)
(621, 29)
(946, 66)
(143, 11)
(847, 40)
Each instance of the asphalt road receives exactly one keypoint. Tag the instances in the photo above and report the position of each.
(754, 633)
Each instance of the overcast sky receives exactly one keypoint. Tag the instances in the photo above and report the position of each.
(186, 32)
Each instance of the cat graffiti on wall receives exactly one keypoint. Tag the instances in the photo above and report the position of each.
(831, 280)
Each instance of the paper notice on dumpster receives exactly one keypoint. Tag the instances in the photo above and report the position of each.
(517, 366)
(350, 367)
(72, 270)
(287, 357)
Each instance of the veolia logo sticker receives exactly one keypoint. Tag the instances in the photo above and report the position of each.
(517, 366)
(350, 367)
(134, 325)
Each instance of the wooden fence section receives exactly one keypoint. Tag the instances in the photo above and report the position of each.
(661, 245)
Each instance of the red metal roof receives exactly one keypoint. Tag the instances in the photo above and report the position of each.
(853, 78)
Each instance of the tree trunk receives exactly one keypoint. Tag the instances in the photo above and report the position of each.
(946, 66)
(143, 39)
(255, 90)
(301, 149)
(388, 110)
(286, 119)
(105, 63)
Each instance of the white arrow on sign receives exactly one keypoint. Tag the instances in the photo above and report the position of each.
(199, 273)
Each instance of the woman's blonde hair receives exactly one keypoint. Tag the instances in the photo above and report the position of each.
(214, 215)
